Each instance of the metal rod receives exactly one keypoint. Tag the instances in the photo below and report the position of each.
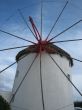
(71, 57)
(57, 20)
(11, 65)
(22, 16)
(7, 67)
(65, 30)
(16, 36)
(23, 79)
(41, 83)
(41, 16)
(63, 41)
(13, 48)
(65, 75)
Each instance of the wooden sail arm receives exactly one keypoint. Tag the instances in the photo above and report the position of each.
(37, 34)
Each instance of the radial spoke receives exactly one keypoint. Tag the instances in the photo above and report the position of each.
(65, 30)
(16, 36)
(71, 40)
(11, 65)
(7, 67)
(65, 75)
(41, 83)
(23, 79)
(41, 16)
(13, 48)
(73, 57)
(57, 20)
(22, 16)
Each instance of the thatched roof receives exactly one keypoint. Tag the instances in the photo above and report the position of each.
(49, 48)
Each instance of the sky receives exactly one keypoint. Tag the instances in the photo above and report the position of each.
(11, 21)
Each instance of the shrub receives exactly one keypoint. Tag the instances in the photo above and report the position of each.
(4, 105)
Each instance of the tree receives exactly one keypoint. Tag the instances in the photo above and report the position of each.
(4, 105)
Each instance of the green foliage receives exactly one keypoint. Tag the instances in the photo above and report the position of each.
(78, 104)
(4, 105)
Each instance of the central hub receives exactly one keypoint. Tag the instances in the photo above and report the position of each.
(40, 42)
(41, 45)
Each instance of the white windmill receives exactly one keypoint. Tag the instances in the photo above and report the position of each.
(43, 78)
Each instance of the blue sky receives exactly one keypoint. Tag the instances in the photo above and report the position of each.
(11, 21)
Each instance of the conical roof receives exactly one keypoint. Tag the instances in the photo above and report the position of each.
(49, 48)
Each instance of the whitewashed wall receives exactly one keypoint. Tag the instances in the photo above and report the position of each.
(57, 90)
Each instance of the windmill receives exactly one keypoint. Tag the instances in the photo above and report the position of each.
(44, 83)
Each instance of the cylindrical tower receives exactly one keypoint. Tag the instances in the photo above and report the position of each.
(44, 87)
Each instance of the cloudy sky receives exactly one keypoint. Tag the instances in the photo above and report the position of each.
(11, 21)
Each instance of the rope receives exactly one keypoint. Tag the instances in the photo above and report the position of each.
(7, 67)
(57, 20)
(65, 30)
(11, 65)
(22, 16)
(13, 48)
(41, 16)
(16, 36)
(71, 40)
